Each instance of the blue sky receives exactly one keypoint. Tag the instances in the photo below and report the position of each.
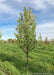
(9, 13)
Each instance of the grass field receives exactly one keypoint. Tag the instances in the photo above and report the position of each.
(13, 60)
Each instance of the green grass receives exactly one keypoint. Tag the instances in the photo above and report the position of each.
(13, 60)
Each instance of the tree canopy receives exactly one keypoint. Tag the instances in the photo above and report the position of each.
(26, 34)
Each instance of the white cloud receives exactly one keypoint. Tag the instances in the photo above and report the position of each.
(47, 30)
(46, 25)
(5, 8)
(50, 2)
(2, 1)
(42, 4)
(8, 31)
(37, 4)
(19, 0)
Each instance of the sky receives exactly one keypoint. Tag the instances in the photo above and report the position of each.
(43, 9)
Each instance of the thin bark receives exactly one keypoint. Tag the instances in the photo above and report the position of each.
(27, 61)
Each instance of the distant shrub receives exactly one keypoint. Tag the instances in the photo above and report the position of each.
(46, 41)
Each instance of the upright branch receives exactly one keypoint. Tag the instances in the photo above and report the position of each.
(0, 34)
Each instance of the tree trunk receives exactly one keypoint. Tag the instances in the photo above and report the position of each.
(27, 61)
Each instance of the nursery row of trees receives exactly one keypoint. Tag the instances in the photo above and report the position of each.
(37, 41)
